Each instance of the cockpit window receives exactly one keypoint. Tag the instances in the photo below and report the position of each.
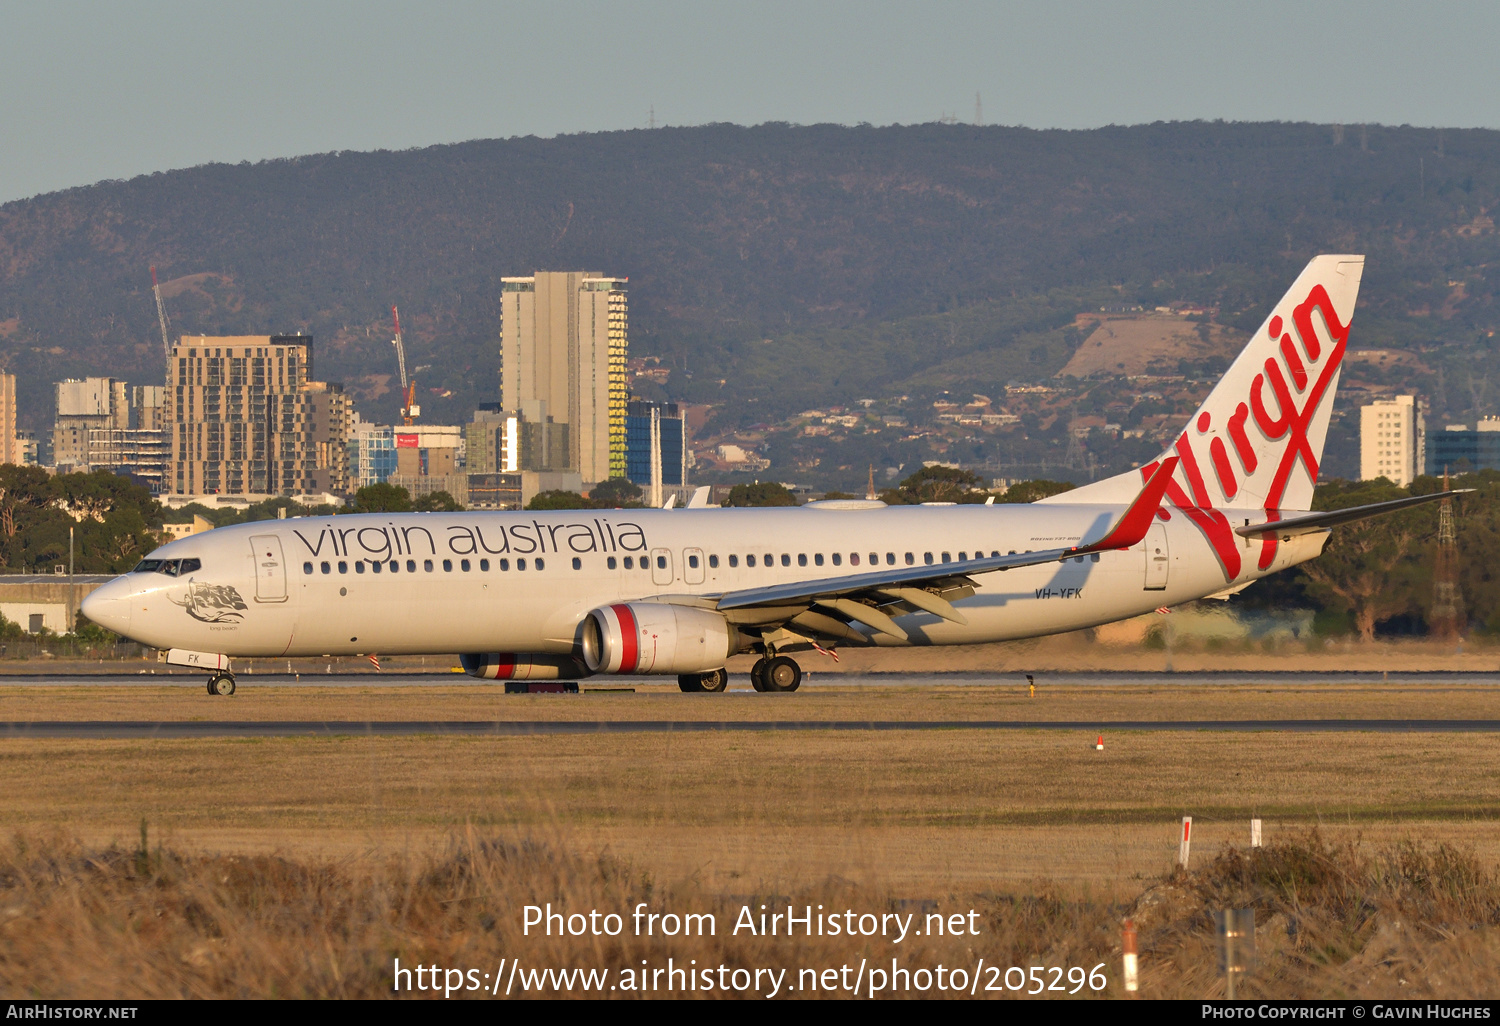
(168, 567)
(190, 565)
(146, 566)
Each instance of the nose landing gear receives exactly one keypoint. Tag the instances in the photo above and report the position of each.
(221, 683)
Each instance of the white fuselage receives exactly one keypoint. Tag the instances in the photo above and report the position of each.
(525, 582)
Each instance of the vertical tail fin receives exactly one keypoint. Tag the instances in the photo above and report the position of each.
(1257, 440)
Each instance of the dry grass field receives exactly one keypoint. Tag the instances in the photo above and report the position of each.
(1004, 700)
(302, 865)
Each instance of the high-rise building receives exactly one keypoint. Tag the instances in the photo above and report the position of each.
(564, 339)
(656, 447)
(85, 405)
(242, 417)
(148, 407)
(11, 450)
(484, 440)
(1463, 450)
(372, 453)
(332, 423)
(1391, 440)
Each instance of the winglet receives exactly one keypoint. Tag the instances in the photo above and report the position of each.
(1136, 520)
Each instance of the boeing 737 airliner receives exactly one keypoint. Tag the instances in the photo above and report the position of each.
(558, 595)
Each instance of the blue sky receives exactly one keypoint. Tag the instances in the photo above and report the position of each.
(91, 91)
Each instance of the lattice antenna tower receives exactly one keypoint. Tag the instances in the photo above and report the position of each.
(1447, 619)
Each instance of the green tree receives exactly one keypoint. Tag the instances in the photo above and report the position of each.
(761, 493)
(1374, 569)
(558, 500)
(436, 502)
(382, 498)
(1030, 491)
(937, 484)
(616, 493)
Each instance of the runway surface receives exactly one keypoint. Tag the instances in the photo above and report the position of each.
(812, 679)
(175, 729)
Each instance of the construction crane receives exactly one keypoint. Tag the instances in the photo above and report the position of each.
(409, 407)
(161, 315)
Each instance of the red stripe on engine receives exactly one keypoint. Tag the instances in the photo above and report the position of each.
(630, 645)
(505, 666)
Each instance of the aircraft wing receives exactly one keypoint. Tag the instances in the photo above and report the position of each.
(824, 606)
(1333, 517)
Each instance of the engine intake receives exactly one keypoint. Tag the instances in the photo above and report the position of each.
(521, 666)
(655, 637)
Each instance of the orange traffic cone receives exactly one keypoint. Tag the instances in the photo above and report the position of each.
(1099, 745)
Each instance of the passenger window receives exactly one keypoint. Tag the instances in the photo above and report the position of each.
(910, 559)
(324, 567)
(463, 564)
(769, 560)
(661, 562)
(1094, 558)
(750, 560)
(611, 563)
(629, 563)
(801, 559)
(854, 559)
(735, 560)
(307, 568)
(693, 561)
(890, 558)
(411, 566)
(447, 566)
(787, 560)
(838, 560)
(1012, 552)
(713, 562)
(520, 564)
(427, 565)
(484, 565)
(359, 566)
(577, 563)
(818, 559)
(343, 567)
(395, 566)
(376, 566)
(963, 557)
(504, 564)
(540, 565)
(946, 558)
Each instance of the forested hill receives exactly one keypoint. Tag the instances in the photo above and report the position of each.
(732, 235)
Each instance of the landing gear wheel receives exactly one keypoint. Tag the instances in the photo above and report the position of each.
(689, 682)
(714, 680)
(757, 674)
(221, 684)
(782, 674)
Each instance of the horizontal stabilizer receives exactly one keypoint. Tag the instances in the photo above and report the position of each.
(1334, 517)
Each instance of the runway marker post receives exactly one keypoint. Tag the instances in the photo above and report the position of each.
(1130, 947)
(1099, 745)
(1182, 845)
(1255, 833)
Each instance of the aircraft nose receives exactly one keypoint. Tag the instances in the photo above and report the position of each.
(109, 606)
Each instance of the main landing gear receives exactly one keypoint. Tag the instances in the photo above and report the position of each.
(221, 683)
(713, 680)
(778, 673)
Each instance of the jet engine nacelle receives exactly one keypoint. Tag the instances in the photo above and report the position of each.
(521, 666)
(654, 637)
